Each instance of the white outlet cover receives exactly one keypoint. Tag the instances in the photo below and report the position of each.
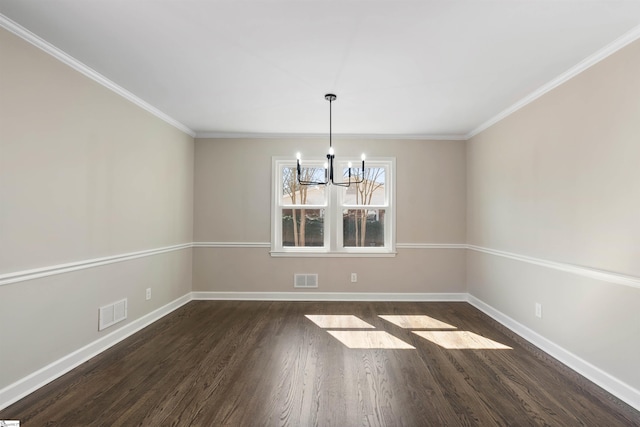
(539, 310)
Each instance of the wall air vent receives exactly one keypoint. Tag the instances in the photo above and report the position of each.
(112, 314)
(305, 280)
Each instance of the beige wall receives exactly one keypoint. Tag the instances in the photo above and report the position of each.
(84, 174)
(232, 204)
(254, 270)
(559, 180)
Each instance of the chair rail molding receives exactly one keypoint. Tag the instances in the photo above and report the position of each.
(36, 273)
(593, 273)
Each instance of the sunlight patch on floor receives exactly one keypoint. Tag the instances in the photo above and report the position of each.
(461, 340)
(365, 338)
(370, 340)
(416, 322)
(338, 321)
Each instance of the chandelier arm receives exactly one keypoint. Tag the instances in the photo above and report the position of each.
(348, 183)
(311, 183)
(304, 182)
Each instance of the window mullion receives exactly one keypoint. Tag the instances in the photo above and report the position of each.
(335, 202)
(334, 224)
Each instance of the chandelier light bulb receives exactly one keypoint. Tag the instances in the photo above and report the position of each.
(331, 151)
(363, 157)
(298, 156)
(350, 165)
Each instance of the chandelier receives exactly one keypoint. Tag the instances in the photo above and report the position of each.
(328, 165)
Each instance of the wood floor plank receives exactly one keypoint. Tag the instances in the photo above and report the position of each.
(252, 363)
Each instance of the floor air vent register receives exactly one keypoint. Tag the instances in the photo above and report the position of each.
(112, 313)
(305, 280)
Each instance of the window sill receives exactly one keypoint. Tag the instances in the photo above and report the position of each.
(293, 254)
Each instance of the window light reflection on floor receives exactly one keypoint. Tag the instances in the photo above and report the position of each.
(360, 335)
(416, 322)
(370, 340)
(461, 340)
(338, 321)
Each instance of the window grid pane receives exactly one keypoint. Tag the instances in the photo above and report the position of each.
(292, 193)
(363, 227)
(303, 227)
(370, 192)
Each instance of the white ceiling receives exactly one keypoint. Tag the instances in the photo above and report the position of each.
(398, 67)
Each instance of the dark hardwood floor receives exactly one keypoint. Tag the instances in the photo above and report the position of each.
(242, 363)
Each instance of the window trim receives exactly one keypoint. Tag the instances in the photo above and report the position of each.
(333, 213)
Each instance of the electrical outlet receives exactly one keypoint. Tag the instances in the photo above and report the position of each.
(148, 295)
(539, 310)
(354, 277)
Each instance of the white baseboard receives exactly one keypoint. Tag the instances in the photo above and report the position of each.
(32, 382)
(21, 388)
(613, 385)
(329, 296)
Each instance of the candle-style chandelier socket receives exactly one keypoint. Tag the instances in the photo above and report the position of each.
(328, 165)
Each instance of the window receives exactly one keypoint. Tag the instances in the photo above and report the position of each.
(332, 220)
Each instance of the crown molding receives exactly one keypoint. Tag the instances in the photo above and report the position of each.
(257, 135)
(621, 42)
(616, 45)
(588, 62)
(67, 59)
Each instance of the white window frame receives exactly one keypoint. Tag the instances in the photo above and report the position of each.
(333, 212)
